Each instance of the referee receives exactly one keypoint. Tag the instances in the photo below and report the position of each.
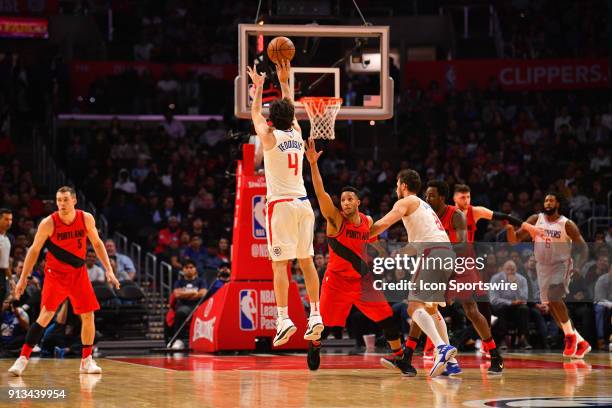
(6, 219)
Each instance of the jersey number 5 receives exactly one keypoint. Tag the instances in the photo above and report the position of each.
(293, 164)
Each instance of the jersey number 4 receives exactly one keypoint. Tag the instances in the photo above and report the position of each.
(292, 158)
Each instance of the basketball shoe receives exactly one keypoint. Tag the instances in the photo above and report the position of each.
(18, 366)
(89, 366)
(582, 348)
(428, 350)
(284, 329)
(313, 357)
(401, 363)
(314, 329)
(571, 344)
(452, 369)
(443, 353)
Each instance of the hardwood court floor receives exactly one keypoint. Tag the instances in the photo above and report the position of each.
(283, 381)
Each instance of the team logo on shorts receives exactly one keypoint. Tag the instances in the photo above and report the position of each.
(248, 309)
(277, 251)
(259, 217)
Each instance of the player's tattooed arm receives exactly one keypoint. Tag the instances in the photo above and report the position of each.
(579, 246)
(328, 209)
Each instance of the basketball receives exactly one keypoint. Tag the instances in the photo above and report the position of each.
(281, 48)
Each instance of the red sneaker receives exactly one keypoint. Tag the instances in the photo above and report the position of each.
(570, 345)
(581, 349)
(484, 351)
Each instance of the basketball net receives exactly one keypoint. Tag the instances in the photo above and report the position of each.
(322, 113)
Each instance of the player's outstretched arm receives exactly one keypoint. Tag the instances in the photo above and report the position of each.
(283, 69)
(524, 234)
(578, 243)
(483, 212)
(44, 231)
(99, 248)
(259, 122)
(400, 208)
(328, 209)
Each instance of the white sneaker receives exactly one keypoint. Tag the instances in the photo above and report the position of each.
(314, 329)
(284, 329)
(18, 366)
(89, 366)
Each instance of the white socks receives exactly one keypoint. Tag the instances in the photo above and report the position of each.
(567, 327)
(442, 330)
(314, 309)
(427, 324)
(283, 312)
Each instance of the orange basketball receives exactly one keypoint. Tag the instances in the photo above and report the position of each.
(281, 48)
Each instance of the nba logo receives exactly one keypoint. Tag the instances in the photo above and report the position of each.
(259, 218)
(248, 309)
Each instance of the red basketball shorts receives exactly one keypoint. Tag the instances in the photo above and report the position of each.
(339, 294)
(470, 276)
(73, 284)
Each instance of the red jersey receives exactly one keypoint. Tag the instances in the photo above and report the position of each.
(347, 249)
(471, 224)
(71, 238)
(447, 223)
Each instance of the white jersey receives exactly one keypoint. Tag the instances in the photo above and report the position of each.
(423, 225)
(283, 166)
(556, 245)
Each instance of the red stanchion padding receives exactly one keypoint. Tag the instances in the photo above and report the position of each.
(239, 313)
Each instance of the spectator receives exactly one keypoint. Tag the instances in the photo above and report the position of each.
(124, 183)
(15, 324)
(223, 276)
(601, 160)
(162, 216)
(224, 250)
(168, 234)
(188, 290)
(173, 128)
(95, 273)
(125, 267)
(511, 305)
(6, 220)
(196, 253)
(603, 306)
(596, 269)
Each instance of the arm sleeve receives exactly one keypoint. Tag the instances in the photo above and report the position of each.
(507, 217)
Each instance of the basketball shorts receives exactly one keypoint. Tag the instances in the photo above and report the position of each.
(469, 277)
(290, 228)
(339, 294)
(431, 278)
(553, 275)
(73, 284)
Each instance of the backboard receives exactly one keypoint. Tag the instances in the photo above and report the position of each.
(350, 62)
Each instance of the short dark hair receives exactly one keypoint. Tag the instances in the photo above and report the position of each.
(462, 188)
(411, 179)
(351, 189)
(5, 211)
(188, 261)
(67, 189)
(439, 185)
(282, 113)
(555, 194)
